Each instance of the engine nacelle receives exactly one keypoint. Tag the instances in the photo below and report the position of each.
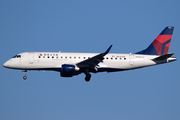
(67, 70)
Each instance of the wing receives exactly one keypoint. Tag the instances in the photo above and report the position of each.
(93, 61)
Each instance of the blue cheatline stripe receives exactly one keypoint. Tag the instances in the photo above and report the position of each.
(163, 46)
(101, 69)
(110, 69)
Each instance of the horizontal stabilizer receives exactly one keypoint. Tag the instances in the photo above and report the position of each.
(163, 57)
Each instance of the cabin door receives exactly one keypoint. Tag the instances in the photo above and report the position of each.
(31, 57)
(131, 59)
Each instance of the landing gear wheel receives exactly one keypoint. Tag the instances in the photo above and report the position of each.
(88, 77)
(25, 77)
(25, 72)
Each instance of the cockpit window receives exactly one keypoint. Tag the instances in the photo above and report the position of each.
(14, 56)
(17, 56)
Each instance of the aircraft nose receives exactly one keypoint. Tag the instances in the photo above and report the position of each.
(6, 64)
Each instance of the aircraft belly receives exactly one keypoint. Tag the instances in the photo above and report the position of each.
(125, 65)
(144, 63)
(46, 64)
(121, 65)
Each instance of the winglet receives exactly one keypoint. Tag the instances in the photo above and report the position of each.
(107, 51)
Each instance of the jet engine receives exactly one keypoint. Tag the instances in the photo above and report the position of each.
(68, 70)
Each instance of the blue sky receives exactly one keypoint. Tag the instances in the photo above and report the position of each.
(88, 26)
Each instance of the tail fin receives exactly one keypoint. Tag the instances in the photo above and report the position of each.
(160, 45)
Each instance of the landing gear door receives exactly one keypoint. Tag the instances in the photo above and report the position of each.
(31, 57)
(131, 59)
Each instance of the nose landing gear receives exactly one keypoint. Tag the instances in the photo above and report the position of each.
(25, 76)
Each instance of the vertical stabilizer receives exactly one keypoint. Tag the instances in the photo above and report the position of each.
(160, 45)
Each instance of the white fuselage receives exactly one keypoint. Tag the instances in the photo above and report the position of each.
(70, 64)
(54, 61)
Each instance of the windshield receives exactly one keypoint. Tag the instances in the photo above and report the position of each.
(17, 56)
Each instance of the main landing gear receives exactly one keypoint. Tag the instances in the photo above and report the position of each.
(25, 76)
(88, 76)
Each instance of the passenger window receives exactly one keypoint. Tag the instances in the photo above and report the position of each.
(39, 56)
(124, 58)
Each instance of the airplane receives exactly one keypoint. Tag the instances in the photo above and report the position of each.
(71, 64)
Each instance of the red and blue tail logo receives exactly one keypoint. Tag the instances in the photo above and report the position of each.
(160, 45)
